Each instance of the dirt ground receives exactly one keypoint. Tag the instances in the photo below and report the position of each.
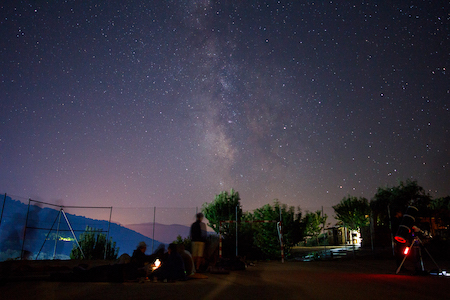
(350, 278)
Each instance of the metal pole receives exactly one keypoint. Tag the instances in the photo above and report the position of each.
(154, 222)
(25, 230)
(371, 231)
(220, 239)
(57, 233)
(73, 233)
(107, 235)
(236, 230)
(48, 233)
(323, 230)
(390, 227)
(281, 241)
(3, 208)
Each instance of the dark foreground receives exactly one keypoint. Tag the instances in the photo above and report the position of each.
(341, 279)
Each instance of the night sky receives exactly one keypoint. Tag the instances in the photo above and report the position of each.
(167, 103)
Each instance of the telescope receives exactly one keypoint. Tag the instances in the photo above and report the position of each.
(407, 233)
(404, 232)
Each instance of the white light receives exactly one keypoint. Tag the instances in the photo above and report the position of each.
(156, 264)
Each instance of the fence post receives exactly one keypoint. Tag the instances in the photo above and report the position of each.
(107, 235)
(390, 229)
(236, 231)
(323, 231)
(154, 220)
(57, 234)
(25, 230)
(3, 208)
(281, 236)
(371, 232)
(220, 239)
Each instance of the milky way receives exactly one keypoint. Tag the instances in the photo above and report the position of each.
(167, 104)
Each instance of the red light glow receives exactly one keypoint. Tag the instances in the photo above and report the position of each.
(406, 251)
(400, 239)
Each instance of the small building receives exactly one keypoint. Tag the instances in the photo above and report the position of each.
(339, 235)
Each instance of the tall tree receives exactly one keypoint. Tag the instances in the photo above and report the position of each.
(353, 212)
(266, 236)
(314, 223)
(93, 243)
(398, 198)
(440, 209)
(223, 208)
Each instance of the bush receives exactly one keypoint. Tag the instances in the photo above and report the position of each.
(186, 242)
(93, 242)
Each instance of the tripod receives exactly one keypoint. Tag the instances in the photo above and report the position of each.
(58, 217)
(416, 242)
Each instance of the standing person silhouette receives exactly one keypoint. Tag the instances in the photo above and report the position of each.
(198, 238)
(399, 248)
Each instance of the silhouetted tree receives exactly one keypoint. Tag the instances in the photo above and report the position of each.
(314, 222)
(92, 241)
(266, 236)
(223, 208)
(353, 212)
(398, 198)
(440, 209)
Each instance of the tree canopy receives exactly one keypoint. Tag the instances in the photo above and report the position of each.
(398, 198)
(314, 222)
(93, 243)
(353, 212)
(262, 238)
(440, 208)
(266, 235)
(223, 208)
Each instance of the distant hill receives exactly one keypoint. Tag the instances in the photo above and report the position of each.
(38, 234)
(163, 233)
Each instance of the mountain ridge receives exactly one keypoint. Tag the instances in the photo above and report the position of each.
(163, 233)
(39, 235)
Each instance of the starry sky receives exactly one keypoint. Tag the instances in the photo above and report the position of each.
(167, 103)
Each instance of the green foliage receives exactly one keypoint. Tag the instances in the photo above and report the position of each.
(439, 204)
(317, 241)
(262, 238)
(440, 209)
(184, 241)
(246, 232)
(223, 208)
(266, 234)
(92, 241)
(314, 222)
(353, 212)
(398, 198)
(255, 239)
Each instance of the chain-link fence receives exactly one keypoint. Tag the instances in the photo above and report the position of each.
(38, 230)
(161, 224)
(31, 229)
